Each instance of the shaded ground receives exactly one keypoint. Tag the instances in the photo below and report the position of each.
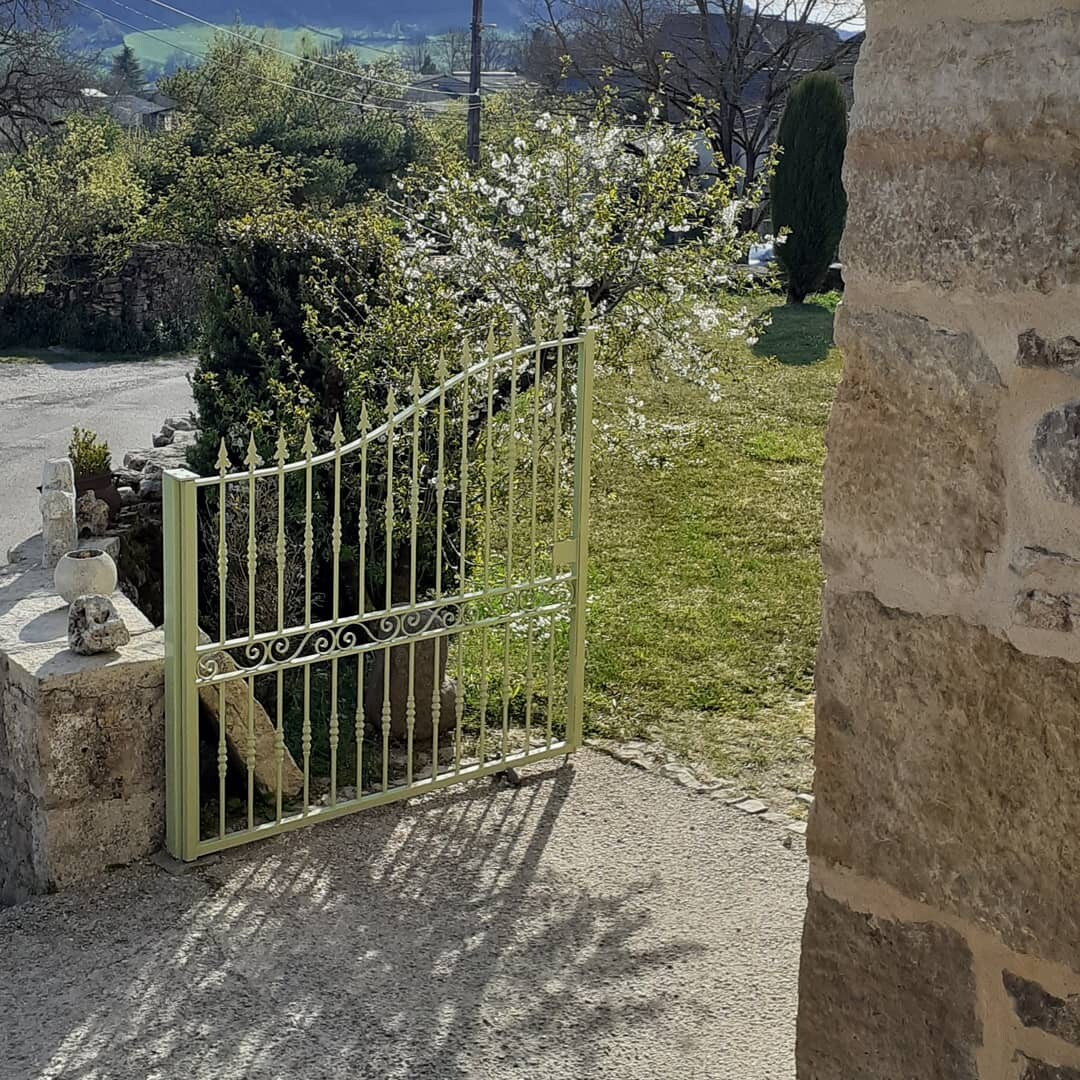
(42, 398)
(596, 922)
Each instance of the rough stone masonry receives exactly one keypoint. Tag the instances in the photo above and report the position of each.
(942, 939)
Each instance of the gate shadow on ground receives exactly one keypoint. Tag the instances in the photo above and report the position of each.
(446, 939)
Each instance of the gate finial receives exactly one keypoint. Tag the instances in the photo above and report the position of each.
(252, 459)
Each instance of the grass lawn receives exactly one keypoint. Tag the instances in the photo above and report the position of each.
(705, 571)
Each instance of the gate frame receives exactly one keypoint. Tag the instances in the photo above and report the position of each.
(180, 555)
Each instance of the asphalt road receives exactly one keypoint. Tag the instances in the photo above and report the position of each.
(123, 401)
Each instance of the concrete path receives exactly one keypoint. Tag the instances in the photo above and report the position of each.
(598, 922)
(123, 401)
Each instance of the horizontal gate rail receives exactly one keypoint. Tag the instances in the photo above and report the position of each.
(305, 698)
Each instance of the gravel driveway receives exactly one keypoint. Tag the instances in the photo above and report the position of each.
(597, 922)
(123, 401)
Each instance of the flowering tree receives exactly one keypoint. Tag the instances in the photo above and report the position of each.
(610, 211)
(320, 317)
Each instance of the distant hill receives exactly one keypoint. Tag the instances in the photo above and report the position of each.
(400, 19)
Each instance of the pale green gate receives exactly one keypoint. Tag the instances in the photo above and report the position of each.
(296, 685)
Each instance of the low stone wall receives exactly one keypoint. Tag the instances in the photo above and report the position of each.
(942, 939)
(152, 301)
(82, 762)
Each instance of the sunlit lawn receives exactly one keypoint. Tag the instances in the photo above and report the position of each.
(705, 564)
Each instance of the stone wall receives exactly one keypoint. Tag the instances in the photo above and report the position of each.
(152, 300)
(942, 939)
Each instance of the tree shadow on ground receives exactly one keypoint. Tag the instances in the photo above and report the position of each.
(439, 941)
(799, 334)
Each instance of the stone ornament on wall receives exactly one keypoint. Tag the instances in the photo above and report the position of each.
(59, 531)
(95, 626)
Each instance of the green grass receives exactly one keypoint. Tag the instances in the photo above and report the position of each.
(156, 46)
(705, 570)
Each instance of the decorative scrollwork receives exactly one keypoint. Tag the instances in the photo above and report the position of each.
(299, 645)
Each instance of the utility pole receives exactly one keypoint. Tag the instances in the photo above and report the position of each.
(472, 142)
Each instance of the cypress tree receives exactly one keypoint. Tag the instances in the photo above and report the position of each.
(807, 191)
(126, 75)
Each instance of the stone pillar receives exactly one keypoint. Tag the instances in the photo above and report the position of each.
(82, 743)
(59, 531)
(942, 939)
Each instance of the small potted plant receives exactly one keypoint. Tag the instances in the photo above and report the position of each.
(92, 463)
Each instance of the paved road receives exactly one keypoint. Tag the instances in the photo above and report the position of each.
(123, 401)
(597, 923)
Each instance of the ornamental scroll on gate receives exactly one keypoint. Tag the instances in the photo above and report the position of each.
(400, 612)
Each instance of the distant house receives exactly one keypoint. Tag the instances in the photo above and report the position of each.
(155, 112)
(437, 92)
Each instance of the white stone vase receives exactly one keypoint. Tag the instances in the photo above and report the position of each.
(85, 573)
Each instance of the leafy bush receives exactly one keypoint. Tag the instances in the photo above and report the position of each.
(89, 455)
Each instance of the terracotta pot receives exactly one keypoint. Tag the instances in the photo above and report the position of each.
(89, 572)
(101, 484)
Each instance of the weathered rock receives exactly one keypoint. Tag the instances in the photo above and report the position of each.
(880, 999)
(1035, 1007)
(946, 764)
(91, 515)
(95, 626)
(1056, 451)
(60, 533)
(1035, 351)
(913, 472)
(237, 699)
(425, 680)
(1046, 611)
(1041, 1070)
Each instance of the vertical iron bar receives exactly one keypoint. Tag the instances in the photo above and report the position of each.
(582, 463)
(309, 550)
(459, 700)
(279, 731)
(391, 409)
(489, 465)
(336, 440)
(362, 529)
(436, 682)
(556, 498)
(414, 512)
(538, 336)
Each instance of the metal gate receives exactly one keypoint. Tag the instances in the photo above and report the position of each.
(403, 611)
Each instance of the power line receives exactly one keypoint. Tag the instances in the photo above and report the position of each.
(203, 56)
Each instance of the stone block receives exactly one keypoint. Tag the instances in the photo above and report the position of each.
(1046, 611)
(1030, 1069)
(947, 766)
(977, 82)
(1035, 351)
(1036, 1007)
(913, 472)
(883, 1000)
(1055, 449)
(956, 216)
